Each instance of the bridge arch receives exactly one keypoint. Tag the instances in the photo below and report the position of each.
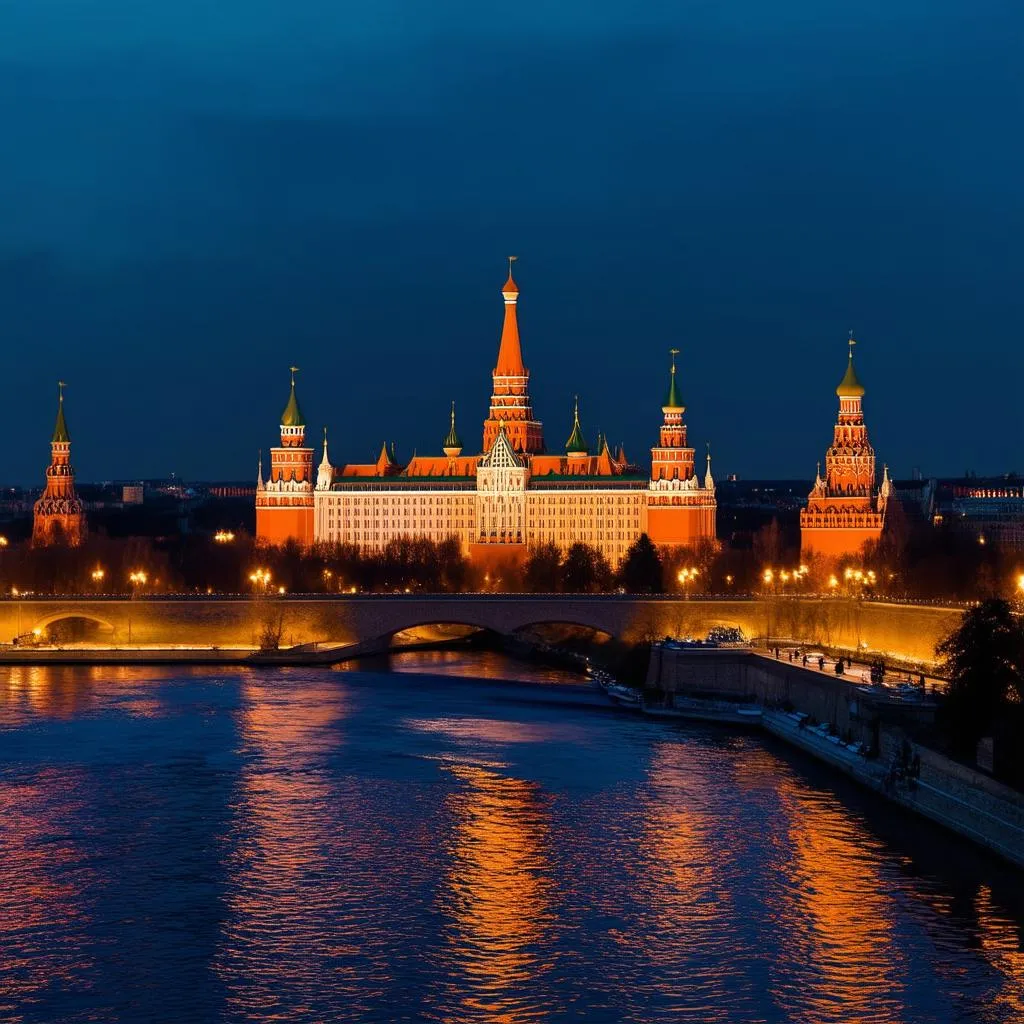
(73, 624)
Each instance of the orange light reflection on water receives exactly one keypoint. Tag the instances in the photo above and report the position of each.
(37, 912)
(497, 898)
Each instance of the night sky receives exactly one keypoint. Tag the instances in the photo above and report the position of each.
(195, 195)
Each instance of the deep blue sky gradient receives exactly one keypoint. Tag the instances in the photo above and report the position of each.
(196, 195)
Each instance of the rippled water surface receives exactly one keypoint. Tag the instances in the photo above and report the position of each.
(435, 844)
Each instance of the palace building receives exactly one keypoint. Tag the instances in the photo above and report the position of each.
(513, 494)
(58, 516)
(844, 509)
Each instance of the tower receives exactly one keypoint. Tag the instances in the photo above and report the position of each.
(843, 510)
(58, 517)
(510, 399)
(576, 450)
(681, 509)
(284, 504)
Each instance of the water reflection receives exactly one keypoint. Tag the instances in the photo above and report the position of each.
(283, 891)
(43, 919)
(496, 900)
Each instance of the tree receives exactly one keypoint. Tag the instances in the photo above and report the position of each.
(542, 573)
(983, 659)
(640, 571)
(585, 570)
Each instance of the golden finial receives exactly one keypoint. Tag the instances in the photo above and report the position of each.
(294, 370)
(453, 412)
(852, 342)
(673, 352)
(60, 390)
(511, 260)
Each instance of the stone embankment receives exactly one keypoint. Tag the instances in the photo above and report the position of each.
(859, 724)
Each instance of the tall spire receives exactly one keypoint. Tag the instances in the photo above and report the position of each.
(292, 415)
(260, 485)
(709, 480)
(325, 461)
(452, 446)
(672, 399)
(576, 445)
(60, 430)
(510, 354)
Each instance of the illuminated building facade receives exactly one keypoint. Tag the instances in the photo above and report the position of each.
(512, 495)
(844, 508)
(58, 516)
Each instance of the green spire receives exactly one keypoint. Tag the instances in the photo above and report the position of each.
(672, 399)
(292, 415)
(452, 440)
(576, 445)
(60, 430)
(850, 386)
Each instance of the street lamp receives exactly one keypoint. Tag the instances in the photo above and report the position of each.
(686, 577)
(260, 579)
(223, 536)
(137, 579)
(97, 576)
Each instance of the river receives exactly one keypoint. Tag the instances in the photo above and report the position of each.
(419, 840)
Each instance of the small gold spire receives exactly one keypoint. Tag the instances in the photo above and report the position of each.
(60, 390)
(294, 370)
(673, 352)
(852, 342)
(511, 260)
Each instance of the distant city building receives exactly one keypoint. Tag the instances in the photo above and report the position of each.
(132, 494)
(991, 509)
(58, 516)
(498, 503)
(844, 510)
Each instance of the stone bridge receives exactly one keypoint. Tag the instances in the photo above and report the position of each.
(909, 631)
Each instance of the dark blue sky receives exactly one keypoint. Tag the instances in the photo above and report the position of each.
(195, 195)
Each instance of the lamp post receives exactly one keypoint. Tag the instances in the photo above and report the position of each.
(137, 579)
(685, 578)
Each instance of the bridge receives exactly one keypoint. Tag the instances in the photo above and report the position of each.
(908, 631)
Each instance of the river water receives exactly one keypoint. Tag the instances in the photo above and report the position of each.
(422, 841)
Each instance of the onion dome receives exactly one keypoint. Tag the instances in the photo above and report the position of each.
(452, 446)
(850, 386)
(576, 445)
(673, 403)
(60, 429)
(292, 415)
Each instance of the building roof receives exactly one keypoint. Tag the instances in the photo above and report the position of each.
(60, 429)
(672, 399)
(292, 415)
(452, 440)
(576, 445)
(510, 353)
(850, 386)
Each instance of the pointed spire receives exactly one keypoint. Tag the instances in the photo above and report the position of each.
(292, 415)
(325, 461)
(673, 403)
(452, 446)
(709, 480)
(260, 485)
(510, 354)
(576, 445)
(60, 429)
(850, 386)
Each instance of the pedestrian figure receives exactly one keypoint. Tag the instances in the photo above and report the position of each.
(805, 661)
(821, 664)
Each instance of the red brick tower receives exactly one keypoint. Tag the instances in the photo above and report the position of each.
(510, 399)
(58, 516)
(843, 509)
(681, 509)
(284, 504)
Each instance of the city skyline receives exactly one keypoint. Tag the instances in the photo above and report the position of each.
(187, 215)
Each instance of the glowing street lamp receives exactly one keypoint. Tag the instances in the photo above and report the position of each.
(260, 579)
(223, 536)
(3, 541)
(98, 576)
(139, 578)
